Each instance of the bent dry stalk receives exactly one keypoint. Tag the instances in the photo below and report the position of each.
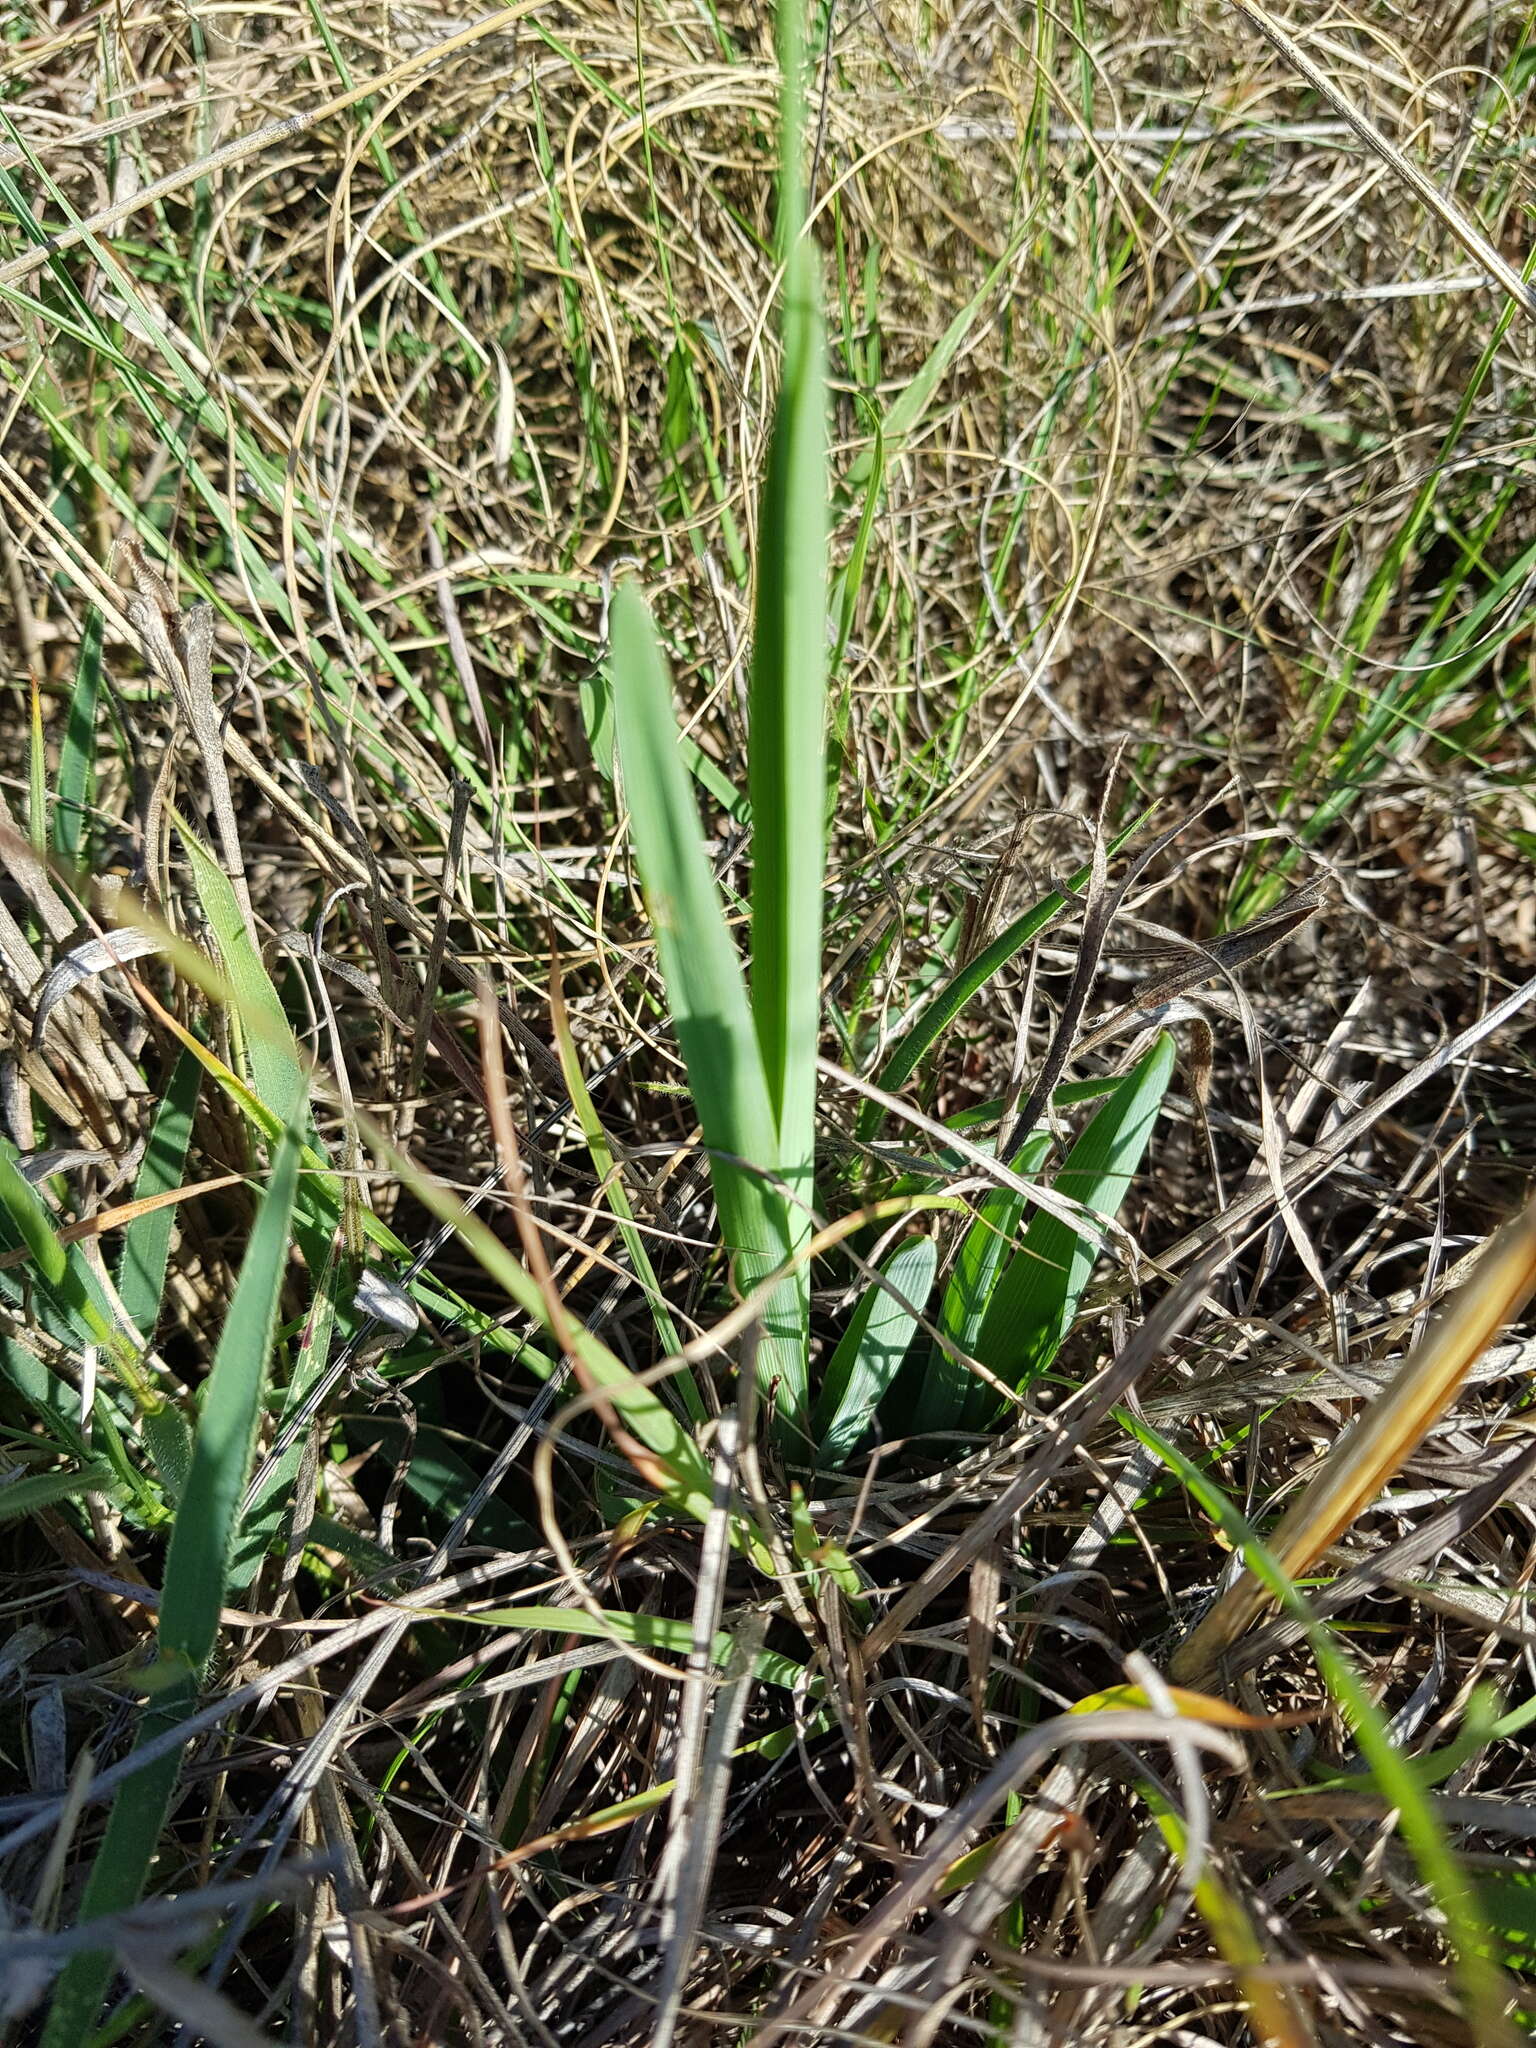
(1198, 964)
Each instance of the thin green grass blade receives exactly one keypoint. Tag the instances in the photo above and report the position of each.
(202, 1542)
(63, 1292)
(259, 1525)
(196, 1566)
(276, 1069)
(707, 992)
(906, 413)
(674, 1633)
(873, 1348)
(77, 753)
(653, 1422)
(611, 1186)
(1036, 1299)
(845, 604)
(967, 982)
(147, 1239)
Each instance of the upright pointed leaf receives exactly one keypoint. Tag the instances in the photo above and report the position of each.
(1036, 1299)
(789, 710)
(705, 987)
(984, 1251)
(196, 1567)
(959, 988)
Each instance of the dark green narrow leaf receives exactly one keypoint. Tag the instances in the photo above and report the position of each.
(77, 753)
(788, 729)
(147, 1239)
(63, 1292)
(1036, 1299)
(197, 1562)
(169, 1442)
(259, 1525)
(23, 1206)
(945, 1006)
(788, 726)
(20, 1497)
(277, 1070)
(122, 1864)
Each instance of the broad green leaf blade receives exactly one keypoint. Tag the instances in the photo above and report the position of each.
(985, 1249)
(1036, 1299)
(594, 698)
(202, 1541)
(788, 730)
(77, 753)
(147, 1239)
(708, 994)
(169, 1443)
(877, 1340)
(787, 756)
(29, 1219)
(788, 775)
(47, 1396)
(63, 1293)
(1507, 1894)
